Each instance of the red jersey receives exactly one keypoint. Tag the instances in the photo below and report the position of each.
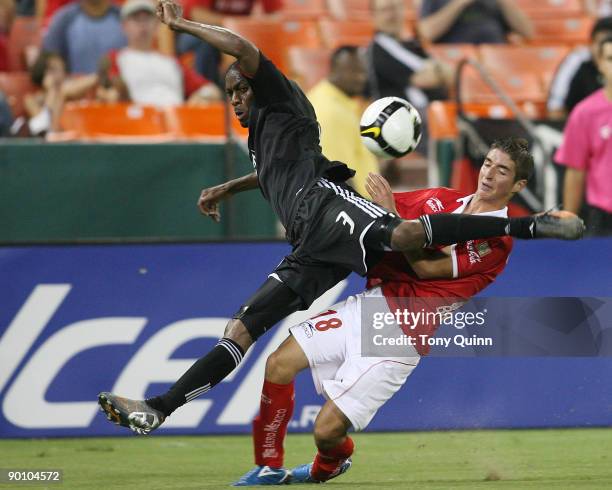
(231, 7)
(476, 263)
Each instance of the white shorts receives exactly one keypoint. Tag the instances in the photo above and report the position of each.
(358, 385)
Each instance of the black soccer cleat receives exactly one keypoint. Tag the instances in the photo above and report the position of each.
(549, 226)
(135, 414)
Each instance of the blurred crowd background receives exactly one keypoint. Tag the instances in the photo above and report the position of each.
(102, 71)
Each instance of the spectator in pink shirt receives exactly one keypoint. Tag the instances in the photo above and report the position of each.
(587, 152)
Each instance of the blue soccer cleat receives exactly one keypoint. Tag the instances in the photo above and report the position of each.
(301, 474)
(263, 475)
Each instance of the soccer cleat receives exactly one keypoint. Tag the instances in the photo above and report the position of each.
(301, 474)
(549, 226)
(263, 475)
(135, 414)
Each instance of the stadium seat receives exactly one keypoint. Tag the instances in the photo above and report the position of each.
(15, 86)
(336, 33)
(521, 87)
(575, 30)
(25, 32)
(91, 120)
(551, 9)
(308, 65)
(304, 9)
(360, 10)
(202, 122)
(442, 120)
(506, 60)
(452, 53)
(275, 37)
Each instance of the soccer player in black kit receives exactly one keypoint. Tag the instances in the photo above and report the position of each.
(333, 230)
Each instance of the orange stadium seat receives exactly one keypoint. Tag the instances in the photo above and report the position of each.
(442, 120)
(91, 120)
(308, 65)
(519, 86)
(452, 53)
(16, 85)
(275, 37)
(337, 33)
(575, 30)
(360, 9)
(25, 32)
(505, 59)
(304, 9)
(551, 9)
(206, 121)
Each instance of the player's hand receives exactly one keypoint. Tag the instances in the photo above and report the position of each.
(380, 190)
(169, 12)
(209, 200)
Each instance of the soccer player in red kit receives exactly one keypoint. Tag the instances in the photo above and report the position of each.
(355, 385)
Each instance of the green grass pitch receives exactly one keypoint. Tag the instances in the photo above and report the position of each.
(575, 458)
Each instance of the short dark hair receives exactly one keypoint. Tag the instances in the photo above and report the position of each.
(37, 72)
(349, 49)
(604, 41)
(602, 25)
(235, 66)
(518, 151)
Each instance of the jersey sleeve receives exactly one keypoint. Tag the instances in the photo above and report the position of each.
(574, 151)
(192, 80)
(480, 256)
(269, 84)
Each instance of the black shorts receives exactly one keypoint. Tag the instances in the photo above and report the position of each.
(334, 240)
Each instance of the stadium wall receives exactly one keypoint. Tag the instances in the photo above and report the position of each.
(67, 192)
(76, 320)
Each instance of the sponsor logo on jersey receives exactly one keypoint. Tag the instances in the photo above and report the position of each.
(473, 255)
(435, 204)
(308, 329)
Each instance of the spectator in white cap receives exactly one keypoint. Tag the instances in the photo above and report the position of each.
(143, 75)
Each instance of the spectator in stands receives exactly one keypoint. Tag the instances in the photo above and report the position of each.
(44, 107)
(211, 12)
(577, 76)
(45, 9)
(83, 32)
(145, 76)
(598, 8)
(6, 117)
(401, 68)
(339, 112)
(586, 151)
(472, 21)
(7, 13)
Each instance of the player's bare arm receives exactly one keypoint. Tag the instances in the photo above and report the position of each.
(226, 41)
(209, 200)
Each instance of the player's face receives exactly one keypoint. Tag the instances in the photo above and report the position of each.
(496, 181)
(604, 62)
(240, 95)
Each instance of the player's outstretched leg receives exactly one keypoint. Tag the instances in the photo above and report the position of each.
(272, 302)
(275, 411)
(446, 229)
(334, 448)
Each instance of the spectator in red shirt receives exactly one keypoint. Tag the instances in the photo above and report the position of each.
(141, 74)
(7, 13)
(212, 12)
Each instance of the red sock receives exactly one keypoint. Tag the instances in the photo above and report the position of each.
(328, 462)
(270, 426)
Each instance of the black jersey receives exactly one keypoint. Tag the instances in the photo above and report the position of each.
(284, 142)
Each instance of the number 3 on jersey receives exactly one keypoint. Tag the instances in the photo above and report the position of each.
(346, 220)
(323, 325)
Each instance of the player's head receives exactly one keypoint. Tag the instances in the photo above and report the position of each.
(239, 93)
(604, 58)
(601, 30)
(388, 16)
(348, 71)
(506, 169)
(139, 23)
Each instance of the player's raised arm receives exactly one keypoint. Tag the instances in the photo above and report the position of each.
(226, 41)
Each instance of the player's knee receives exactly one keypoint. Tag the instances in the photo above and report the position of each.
(236, 331)
(409, 235)
(278, 369)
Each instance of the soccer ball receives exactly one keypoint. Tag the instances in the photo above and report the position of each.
(391, 127)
